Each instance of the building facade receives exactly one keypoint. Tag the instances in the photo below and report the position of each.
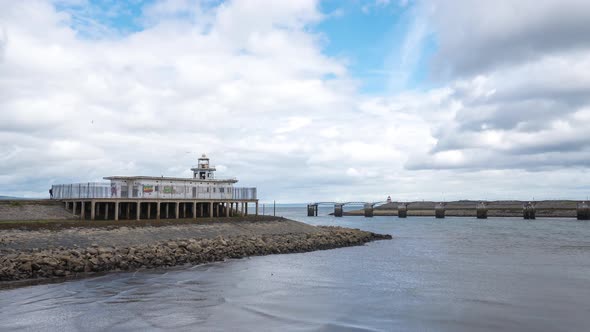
(204, 191)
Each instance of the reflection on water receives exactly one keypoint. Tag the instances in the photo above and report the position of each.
(443, 275)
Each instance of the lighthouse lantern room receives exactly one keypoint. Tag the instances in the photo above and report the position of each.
(203, 171)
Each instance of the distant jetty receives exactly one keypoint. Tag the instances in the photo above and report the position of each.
(463, 208)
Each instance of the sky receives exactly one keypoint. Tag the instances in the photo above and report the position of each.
(307, 100)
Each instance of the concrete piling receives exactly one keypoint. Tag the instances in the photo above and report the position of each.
(402, 210)
(528, 211)
(338, 210)
(481, 210)
(583, 211)
(439, 210)
(312, 210)
(368, 210)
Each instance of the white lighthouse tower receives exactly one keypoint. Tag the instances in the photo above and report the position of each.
(203, 171)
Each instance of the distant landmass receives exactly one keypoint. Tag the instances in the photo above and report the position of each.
(10, 197)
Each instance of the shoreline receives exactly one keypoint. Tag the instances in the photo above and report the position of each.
(30, 257)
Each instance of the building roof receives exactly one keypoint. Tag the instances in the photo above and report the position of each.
(164, 178)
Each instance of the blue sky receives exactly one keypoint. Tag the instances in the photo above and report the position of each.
(308, 100)
(369, 36)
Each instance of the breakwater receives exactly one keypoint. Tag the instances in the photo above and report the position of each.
(19, 261)
(480, 209)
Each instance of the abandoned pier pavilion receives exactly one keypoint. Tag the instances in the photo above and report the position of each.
(149, 197)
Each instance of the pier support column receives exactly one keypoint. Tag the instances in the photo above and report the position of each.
(217, 209)
(368, 210)
(128, 213)
(74, 208)
(138, 214)
(166, 208)
(211, 210)
(528, 211)
(402, 210)
(194, 210)
(201, 210)
(312, 210)
(92, 210)
(482, 211)
(82, 210)
(117, 212)
(177, 211)
(338, 210)
(158, 210)
(184, 210)
(227, 209)
(149, 210)
(583, 211)
(439, 211)
(106, 211)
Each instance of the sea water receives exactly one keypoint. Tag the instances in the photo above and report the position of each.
(453, 274)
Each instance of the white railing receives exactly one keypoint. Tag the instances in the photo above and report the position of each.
(244, 193)
(81, 190)
(107, 190)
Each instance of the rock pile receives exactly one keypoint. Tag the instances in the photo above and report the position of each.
(64, 262)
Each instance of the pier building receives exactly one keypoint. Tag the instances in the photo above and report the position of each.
(149, 197)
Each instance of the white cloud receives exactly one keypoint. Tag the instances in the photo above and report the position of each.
(245, 82)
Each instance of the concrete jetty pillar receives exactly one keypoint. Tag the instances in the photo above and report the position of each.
(106, 211)
(402, 210)
(194, 210)
(311, 210)
(201, 209)
(158, 210)
(167, 210)
(116, 210)
(82, 210)
(368, 210)
(246, 208)
(583, 211)
(74, 208)
(177, 210)
(439, 210)
(227, 209)
(338, 210)
(211, 210)
(92, 210)
(138, 214)
(528, 211)
(149, 211)
(481, 210)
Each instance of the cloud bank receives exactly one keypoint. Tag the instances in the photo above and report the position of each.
(505, 116)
